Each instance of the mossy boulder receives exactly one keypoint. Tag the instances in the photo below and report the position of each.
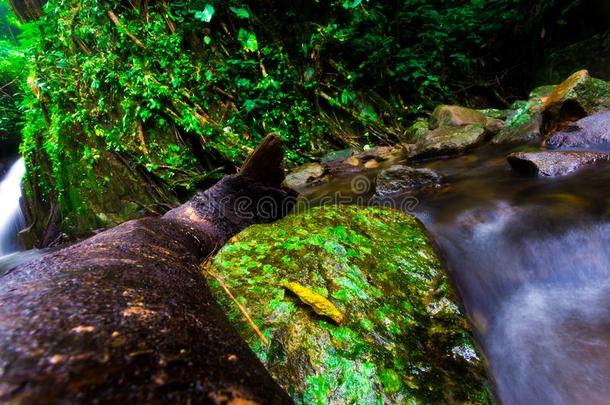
(447, 141)
(576, 97)
(304, 176)
(455, 116)
(381, 324)
(523, 124)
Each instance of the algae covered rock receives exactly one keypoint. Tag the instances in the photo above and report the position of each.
(355, 306)
(455, 116)
(418, 129)
(447, 141)
(524, 124)
(578, 96)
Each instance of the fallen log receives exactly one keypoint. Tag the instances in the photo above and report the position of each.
(127, 316)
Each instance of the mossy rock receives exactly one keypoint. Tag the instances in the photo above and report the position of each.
(579, 95)
(446, 141)
(402, 337)
(418, 129)
(523, 124)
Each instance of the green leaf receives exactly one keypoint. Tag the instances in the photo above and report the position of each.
(206, 14)
(240, 12)
(248, 40)
(250, 105)
(207, 40)
(351, 3)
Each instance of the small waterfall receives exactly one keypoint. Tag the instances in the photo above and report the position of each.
(11, 217)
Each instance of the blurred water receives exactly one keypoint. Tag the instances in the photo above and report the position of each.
(530, 259)
(11, 217)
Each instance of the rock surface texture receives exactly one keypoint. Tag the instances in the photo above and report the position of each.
(399, 179)
(355, 306)
(553, 163)
(448, 141)
(576, 97)
(589, 132)
(455, 116)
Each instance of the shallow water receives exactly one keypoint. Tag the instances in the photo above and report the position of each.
(530, 260)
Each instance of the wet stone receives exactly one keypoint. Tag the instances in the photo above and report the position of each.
(373, 319)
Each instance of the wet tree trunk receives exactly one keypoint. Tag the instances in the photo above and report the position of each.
(126, 315)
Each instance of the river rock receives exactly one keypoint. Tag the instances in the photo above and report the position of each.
(523, 125)
(578, 96)
(305, 176)
(553, 163)
(542, 92)
(455, 116)
(369, 159)
(400, 179)
(355, 306)
(590, 131)
(338, 154)
(448, 141)
(495, 113)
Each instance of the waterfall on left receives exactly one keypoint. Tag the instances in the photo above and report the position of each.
(11, 217)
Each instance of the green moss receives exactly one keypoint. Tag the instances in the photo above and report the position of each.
(523, 124)
(398, 341)
(418, 129)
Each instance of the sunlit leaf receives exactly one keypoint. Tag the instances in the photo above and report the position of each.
(206, 14)
(248, 40)
(351, 3)
(240, 12)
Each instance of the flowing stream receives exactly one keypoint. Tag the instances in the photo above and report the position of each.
(530, 260)
(11, 217)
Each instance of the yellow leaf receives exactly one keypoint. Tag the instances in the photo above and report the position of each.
(320, 305)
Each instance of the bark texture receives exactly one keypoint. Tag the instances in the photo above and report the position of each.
(127, 315)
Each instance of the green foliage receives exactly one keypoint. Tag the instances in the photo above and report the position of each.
(176, 93)
(14, 68)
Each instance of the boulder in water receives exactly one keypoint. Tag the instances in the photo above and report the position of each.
(338, 154)
(590, 131)
(305, 176)
(455, 116)
(553, 163)
(400, 179)
(448, 141)
(576, 97)
(355, 306)
(523, 124)
(369, 159)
